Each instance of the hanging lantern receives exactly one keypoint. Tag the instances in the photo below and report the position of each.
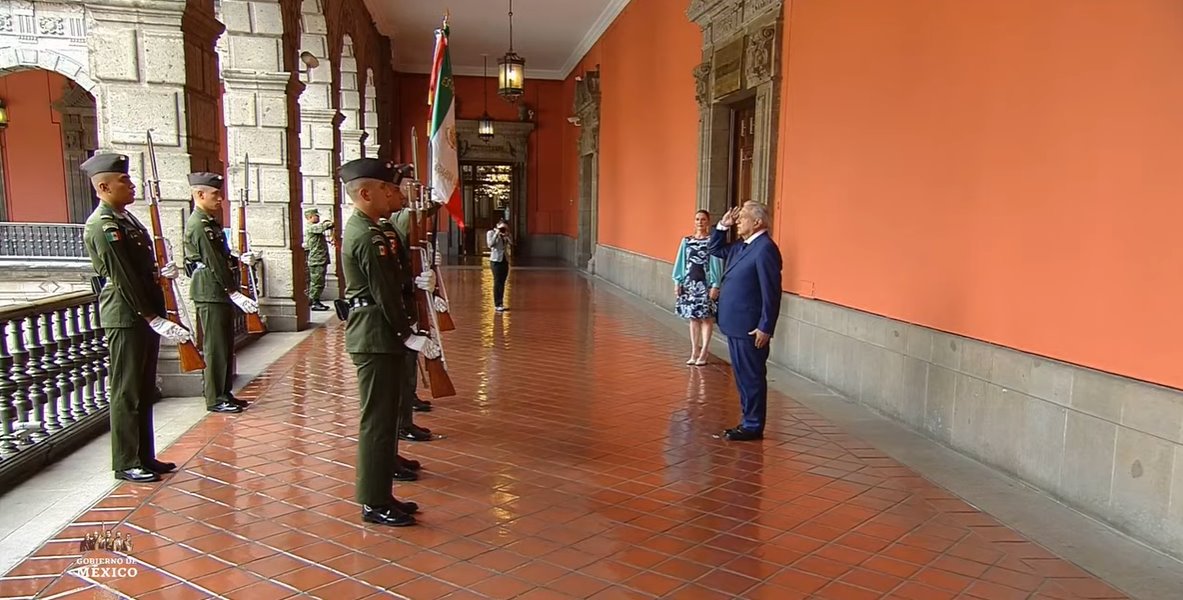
(484, 127)
(511, 69)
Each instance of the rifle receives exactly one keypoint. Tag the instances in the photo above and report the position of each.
(246, 273)
(190, 356)
(437, 368)
(431, 228)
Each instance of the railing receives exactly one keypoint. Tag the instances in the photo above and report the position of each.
(53, 379)
(42, 241)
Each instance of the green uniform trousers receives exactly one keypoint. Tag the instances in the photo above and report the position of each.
(410, 383)
(316, 281)
(377, 376)
(132, 392)
(217, 327)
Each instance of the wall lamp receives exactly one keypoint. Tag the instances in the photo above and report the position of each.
(3, 114)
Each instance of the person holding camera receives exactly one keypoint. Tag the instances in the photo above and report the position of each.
(499, 242)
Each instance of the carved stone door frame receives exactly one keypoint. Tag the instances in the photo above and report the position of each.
(510, 145)
(80, 138)
(740, 58)
(587, 110)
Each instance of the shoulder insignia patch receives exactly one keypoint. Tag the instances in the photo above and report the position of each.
(382, 250)
(114, 235)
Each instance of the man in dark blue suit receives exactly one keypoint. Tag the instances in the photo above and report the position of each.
(749, 304)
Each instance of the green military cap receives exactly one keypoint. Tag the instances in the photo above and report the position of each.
(311, 211)
(105, 163)
(367, 168)
(212, 180)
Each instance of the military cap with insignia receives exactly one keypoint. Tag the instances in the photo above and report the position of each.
(105, 163)
(367, 168)
(311, 211)
(212, 180)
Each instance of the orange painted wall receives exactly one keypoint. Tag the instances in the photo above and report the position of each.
(1006, 170)
(34, 168)
(547, 204)
(648, 129)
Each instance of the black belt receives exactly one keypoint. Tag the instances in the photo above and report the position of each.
(360, 301)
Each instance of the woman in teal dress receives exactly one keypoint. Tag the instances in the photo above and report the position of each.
(696, 283)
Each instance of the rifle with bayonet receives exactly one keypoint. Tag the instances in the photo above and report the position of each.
(246, 273)
(437, 369)
(190, 356)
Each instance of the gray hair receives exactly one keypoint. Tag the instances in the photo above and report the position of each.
(758, 211)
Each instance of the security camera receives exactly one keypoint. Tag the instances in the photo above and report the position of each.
(579, 78)
(573, 120)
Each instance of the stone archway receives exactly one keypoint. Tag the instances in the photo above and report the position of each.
(509, 146)
(741, 47)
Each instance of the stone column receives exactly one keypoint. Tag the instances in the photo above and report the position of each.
(137, 60)
(255, 104)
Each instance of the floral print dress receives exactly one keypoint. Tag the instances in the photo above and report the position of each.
(697, 272)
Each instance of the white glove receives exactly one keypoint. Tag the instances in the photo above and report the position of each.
(169, 330)
(426, 281)
(416, 342)
(248, 258)
(246, 304)
(169, 271)
(441, 305)
(431, 349)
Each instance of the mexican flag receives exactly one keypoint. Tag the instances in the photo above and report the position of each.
(445, 163)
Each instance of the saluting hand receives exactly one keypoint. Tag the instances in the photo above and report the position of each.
(730, 218)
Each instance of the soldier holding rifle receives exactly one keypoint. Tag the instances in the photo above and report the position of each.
(378, 334)
(132, 310)
(214, 289)
(317, 249)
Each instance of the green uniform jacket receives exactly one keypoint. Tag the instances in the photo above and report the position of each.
(399, 243)
(213, 279)
(120, 250)
(372, 271)
(315, 244)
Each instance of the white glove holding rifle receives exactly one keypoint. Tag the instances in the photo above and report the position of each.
(169, 330)
(246, 304)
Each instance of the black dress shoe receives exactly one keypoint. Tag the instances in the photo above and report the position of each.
(386, 515)
(742, 435)
(137, 475)
(408, 507)
(157, 466)
(409, 464)
(414, 433)
(225, 407)
(401, 474)
(319, 307)
(237, 402)
(421, 405)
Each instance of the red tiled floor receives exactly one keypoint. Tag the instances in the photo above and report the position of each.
(578, 463)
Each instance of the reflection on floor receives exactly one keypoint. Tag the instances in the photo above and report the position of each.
(578, 463)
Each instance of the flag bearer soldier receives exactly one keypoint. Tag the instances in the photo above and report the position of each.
(377, 336)
(214, 289)
(131, 309)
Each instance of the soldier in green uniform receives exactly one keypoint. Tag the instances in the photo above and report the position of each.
(398, 227)
(317, 250)
(131, 309)
(214, 289)
(377, 335)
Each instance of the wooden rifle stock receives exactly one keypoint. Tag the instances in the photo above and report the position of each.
(444, 318)
(254, 324)
(190, 356)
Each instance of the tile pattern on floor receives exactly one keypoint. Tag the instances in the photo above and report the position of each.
(578, 463)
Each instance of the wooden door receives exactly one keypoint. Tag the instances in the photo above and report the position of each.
(743, 145)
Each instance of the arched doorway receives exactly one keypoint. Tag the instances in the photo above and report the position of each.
(51, 130)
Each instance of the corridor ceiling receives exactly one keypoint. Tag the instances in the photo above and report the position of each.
(552, 35)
